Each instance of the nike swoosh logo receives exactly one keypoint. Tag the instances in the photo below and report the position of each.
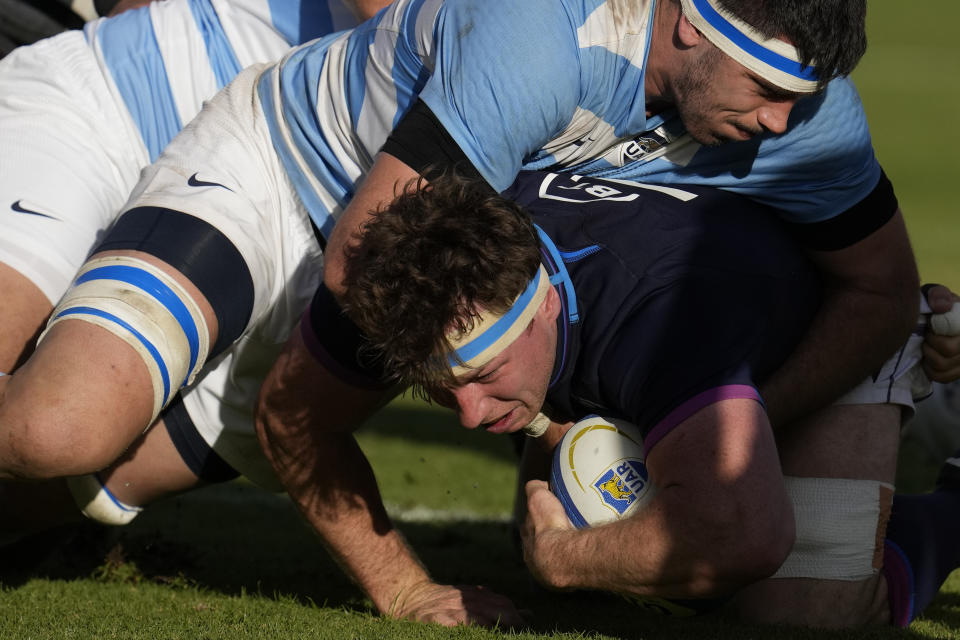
(194, 181)
(19, 208)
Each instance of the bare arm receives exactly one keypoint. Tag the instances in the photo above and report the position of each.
(869, 307)
(720, 519)
(304, 421)
(126, 5)
(387, 176)
(365, 9)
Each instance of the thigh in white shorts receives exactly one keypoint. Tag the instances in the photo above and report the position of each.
(69, 156)
(223, 169)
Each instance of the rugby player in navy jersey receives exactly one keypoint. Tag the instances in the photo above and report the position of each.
(667, 307)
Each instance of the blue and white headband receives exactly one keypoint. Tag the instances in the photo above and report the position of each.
(492, 332)
(772, 59)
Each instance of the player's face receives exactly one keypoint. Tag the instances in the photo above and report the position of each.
(720, 100)
(507, 393)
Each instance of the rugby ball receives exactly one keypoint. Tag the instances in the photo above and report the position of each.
(599, 473)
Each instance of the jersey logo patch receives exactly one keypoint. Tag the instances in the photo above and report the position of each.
(576, 188)
(19, 207)
(619, 486)
(194, 181)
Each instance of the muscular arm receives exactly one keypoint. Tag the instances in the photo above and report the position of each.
(365, 9)
(304, 421)
(720, 519)
(869, 307)
(126, 5)
(387, 176)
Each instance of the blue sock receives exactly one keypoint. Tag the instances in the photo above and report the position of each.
(923, 547)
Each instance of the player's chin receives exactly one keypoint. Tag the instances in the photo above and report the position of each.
(727, 132)
(708, 138)
(508, 422)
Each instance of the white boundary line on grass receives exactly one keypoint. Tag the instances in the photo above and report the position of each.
(421, 514)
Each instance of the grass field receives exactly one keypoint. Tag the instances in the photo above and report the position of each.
(909, 83)
(232, 562)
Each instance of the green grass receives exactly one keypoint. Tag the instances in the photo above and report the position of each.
(910, 88)
(232, 562)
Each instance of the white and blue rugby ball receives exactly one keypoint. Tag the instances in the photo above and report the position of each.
(599, 473)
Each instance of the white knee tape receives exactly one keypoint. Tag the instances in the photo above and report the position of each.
(839, 522)
(147, 309)
(97, 503)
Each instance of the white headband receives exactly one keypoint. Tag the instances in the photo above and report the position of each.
(492, 333)
(770, 58)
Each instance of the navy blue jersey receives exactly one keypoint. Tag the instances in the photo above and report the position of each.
(673, 298)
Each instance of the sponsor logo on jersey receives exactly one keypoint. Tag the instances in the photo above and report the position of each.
(575, 188)
(621, 485)
(195, 181)
(641, 146)
(21, 206)
(649, 145)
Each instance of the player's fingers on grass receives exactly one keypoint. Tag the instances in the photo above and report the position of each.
(490, 609)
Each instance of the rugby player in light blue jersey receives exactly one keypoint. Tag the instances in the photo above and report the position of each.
(81, 113)
(220, 245)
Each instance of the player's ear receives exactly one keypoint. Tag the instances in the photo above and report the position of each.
(687, 34)
(550, 307)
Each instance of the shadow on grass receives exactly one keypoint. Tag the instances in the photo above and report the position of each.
(236, 539)
(945, 608)
(420, 422)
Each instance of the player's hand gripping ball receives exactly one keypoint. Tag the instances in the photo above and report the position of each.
(599, 474)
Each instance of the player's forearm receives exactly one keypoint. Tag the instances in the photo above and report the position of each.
(671, 550)
(869, 307)
(304, 421)
(720, 518)
(385, 180)
(365, 9)
(126, 5)
(350, 518)
(850, 338)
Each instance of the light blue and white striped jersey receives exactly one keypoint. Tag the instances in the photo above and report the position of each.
(166, 59)
(537, 84)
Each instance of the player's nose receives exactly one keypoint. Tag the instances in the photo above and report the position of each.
(773, 115)
(470, 406)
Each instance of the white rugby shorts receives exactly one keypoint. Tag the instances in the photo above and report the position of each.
(69, 156)
(222, 168)
(900, 379)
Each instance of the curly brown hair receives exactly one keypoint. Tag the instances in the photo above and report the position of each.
(423, 266)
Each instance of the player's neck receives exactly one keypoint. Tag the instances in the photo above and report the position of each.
(662, 57)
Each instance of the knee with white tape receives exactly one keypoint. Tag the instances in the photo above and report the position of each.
(97, 502)
(147, 309)
(840, 528)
